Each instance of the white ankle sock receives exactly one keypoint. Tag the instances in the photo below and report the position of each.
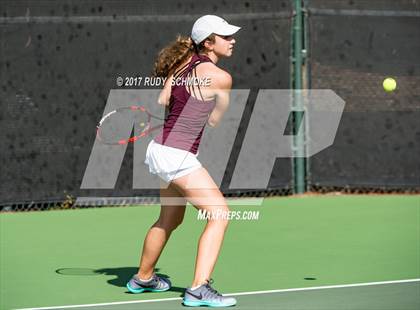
(145, 280)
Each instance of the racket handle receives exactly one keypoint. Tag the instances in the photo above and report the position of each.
(133, 139)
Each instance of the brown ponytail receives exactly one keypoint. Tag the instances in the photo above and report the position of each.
(170, 57)
(177, 52)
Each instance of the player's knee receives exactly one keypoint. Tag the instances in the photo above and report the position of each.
(170, 224)
(220, 216)
(176, 223)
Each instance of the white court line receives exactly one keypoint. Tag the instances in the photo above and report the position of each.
(233, 294)
(323, 287)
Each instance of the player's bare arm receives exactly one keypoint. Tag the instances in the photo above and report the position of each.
(221, 84)
(165, 94)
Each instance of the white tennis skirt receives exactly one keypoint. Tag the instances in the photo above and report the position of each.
(170, 163)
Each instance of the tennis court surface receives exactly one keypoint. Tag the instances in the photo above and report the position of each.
(309, 252)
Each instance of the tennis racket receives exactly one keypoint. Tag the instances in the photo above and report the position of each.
(116, 127)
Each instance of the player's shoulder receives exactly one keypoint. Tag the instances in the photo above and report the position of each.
(220, 77)
(211, 68)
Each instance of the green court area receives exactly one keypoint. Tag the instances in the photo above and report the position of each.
(85, 256)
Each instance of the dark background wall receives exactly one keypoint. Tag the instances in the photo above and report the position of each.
(354, 45)
(59, 60)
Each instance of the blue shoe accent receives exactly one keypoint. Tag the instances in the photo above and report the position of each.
(133, 290)
(156, 284)
(190, 303)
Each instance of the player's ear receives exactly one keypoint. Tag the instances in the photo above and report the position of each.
(208, 44)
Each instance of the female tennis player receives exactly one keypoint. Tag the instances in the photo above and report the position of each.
(196, 93)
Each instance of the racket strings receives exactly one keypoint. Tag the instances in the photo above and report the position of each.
(125, 125)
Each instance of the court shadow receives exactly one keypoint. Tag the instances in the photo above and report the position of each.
(124, 274)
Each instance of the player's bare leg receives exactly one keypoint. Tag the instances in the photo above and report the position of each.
(200, 189)
(171, 216)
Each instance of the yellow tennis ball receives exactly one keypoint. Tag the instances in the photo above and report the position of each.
(389, 84)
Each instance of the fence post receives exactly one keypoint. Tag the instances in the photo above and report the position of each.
(299, 169)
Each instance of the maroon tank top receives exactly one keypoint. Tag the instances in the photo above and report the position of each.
(187, 117)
